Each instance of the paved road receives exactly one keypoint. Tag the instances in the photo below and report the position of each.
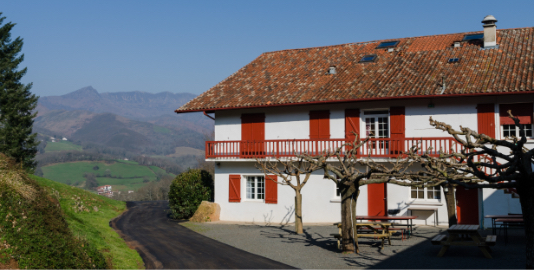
(163, 243)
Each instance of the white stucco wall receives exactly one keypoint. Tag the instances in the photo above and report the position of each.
(319, 204)
(399, 198)
(319, 199)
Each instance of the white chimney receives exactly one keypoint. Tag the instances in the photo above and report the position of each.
(490, 31)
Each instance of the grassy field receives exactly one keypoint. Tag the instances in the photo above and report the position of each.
(93, 224)
(62, 146)
(127, 161)
(126, 174)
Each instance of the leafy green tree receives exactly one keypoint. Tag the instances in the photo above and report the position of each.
(188, 190)
(16, 102)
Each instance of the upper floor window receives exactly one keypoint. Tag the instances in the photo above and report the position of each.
(523, 111)
(376, 124)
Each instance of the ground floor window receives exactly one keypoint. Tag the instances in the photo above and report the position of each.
(513, 131)
(255, 187)
(432, 193)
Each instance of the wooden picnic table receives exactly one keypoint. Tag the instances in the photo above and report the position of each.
(494, 217)
(409, 220)
(506, 223)
(454, 239)
(375, 230)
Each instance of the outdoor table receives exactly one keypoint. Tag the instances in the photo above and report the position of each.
(454, 239)
(382, 232)
(409, 220)
(506, 222)
(494, 217)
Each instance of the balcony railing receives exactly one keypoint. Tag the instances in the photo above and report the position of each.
(376, 148)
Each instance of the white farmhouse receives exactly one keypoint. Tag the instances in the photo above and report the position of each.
(313, 99)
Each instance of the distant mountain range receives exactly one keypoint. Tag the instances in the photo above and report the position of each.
(141, 106)
(137, 122)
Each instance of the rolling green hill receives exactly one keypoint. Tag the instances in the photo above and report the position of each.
(121, 175)
(62, 146)
(48, 225)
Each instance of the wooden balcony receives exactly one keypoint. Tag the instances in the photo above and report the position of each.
(376, 148)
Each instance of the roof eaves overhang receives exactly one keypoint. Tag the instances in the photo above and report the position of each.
(211, 110)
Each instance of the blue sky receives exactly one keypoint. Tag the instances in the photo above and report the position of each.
(189, 46)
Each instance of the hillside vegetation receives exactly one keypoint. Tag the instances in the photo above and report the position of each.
(62, 146)
(122, 175)
(49, 225)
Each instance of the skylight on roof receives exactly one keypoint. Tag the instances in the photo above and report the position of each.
(388, 44)
(453, 60)
(473, 37)
(368, 58)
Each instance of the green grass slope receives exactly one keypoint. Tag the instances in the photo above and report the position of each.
(33, 230)
(88, 217)
(47, 225)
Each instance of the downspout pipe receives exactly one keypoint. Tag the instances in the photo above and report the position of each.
(208, 115)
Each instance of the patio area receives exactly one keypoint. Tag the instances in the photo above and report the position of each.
(317, 249)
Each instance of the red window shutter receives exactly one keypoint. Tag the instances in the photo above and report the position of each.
(271, 189)
(352, 123)
(253, 127)
(397, 119)
(235, 188)
(320, 125)
(523, 111)
(486, 119)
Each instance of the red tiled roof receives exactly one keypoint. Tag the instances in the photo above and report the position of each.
(415, 68)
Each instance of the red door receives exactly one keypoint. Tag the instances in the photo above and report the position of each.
(467, 205)
(252, 134)
(376, 200)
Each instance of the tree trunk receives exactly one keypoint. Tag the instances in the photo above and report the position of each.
(347, 239)
(353, 209)
(525, 190)
(298, 212)
(450, 200)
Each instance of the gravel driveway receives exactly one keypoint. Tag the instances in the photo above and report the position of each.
(316, 249)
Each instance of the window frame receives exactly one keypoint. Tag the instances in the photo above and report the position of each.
(383, 45)
(368, 114)
(501, 129)
(469, 37)
(425, 191)
(256, 188)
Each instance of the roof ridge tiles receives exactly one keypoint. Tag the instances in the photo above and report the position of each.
(388, 39)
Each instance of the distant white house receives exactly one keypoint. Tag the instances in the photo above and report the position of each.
(105, 191)
(126, 159)
(64, 139)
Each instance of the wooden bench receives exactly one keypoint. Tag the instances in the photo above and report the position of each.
(437, 240)
(338, 237)
(491, 240)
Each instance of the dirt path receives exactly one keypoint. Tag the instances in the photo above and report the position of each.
(163, 243)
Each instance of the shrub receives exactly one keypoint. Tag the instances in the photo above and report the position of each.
(188, 190)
